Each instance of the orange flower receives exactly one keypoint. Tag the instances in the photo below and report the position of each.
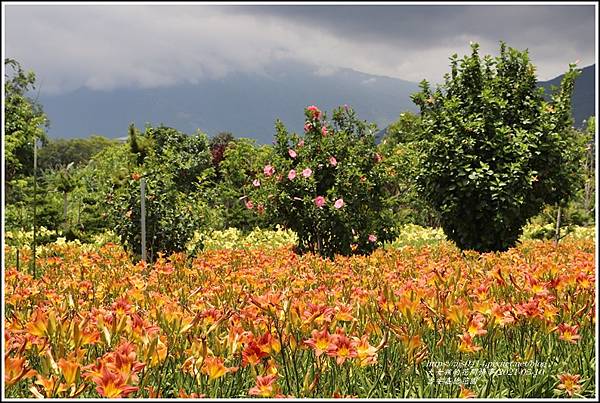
(252, 354)
(466, 344)
(568, 333)
(320, 341)
(341, 347)
(16, 369)
(265, 386)
(569, 383)
(411, 343)
(476, 326)
(214, 368)
(344, 313)
(39, 326)
(112, 385)
(466, 393)
(69, 370)
(502, 315)
(366, 353)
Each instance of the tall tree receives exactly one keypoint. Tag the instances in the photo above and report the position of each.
(24, 120)
(494, 150)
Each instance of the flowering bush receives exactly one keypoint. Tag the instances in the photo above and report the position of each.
(326, 185)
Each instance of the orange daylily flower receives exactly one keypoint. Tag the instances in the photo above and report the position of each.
(342, 348)
(69, 370)
(265, 386)
(16, 370)
(568, 333)
(466, 393)
(365, 352)
(112, 385)
(476, 326)
(467, 345)
(569, 383)
(214, 368)
(320, 341)
(252, 354)
(39, 325)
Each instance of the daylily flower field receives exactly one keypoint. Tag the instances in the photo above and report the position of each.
(402, 322)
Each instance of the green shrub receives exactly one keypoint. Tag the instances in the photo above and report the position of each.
(175, 166)
(494, 151)
(417, 236)
(233, 238)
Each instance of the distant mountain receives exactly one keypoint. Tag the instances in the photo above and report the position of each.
(248, 104)
(584, 94)
(245, 104)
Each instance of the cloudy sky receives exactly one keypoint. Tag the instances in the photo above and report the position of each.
(112, 46)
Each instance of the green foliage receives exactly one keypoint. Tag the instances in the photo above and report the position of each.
(494, 152)
(175, 166)
(233, 238)
(242, 161)
(548, 232)
(24, 122)
(59, 153)
(19, 210)
(400, 148)
(417, 236)
(327, 185)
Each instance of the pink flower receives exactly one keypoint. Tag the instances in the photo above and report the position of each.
(316, 113)
(301, 143)
(256, 183)
(372, 238)
(292, 175)
(320, 201)
(292, 153)
(332, 161)
(307, 127)
(307, 172)
(324, 131)
(269, 170)
(377, 157)
(249, 204)
(339, 203)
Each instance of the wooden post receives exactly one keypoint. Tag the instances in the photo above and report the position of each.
(143, 216)
(558, 217)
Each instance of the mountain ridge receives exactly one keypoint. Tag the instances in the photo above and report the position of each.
(248, 104)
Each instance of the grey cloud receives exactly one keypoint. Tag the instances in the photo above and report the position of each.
(108, 46)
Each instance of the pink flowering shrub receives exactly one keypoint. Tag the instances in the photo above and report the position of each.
(327, 184)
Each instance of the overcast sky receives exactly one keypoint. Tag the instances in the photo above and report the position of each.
(110, 46)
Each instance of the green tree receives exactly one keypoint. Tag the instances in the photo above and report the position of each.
(57, 154)
(494, 151)
(176, 166)
(24, 123)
